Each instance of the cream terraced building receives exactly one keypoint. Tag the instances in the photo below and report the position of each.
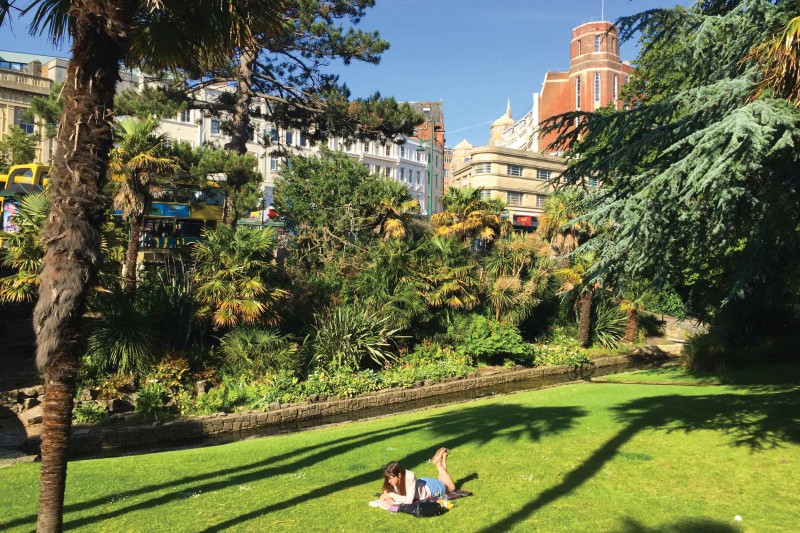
(521, 178)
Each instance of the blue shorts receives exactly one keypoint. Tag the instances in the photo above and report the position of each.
(436, 487)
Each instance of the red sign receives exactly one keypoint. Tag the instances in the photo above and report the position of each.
(523, 220)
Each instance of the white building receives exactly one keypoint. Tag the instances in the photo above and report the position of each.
(400, 160)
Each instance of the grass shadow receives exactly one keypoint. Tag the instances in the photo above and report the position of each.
(767, 420)
(687, 525)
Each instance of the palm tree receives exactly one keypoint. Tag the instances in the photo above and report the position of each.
(779, 61)
(560, 225)
(632, 307)
(573, 280)
(468, 216)
(445, 278)
(103, 33)
(394, 210)
(516, 273)
(23, 250)
(139, 165)
(233, 288)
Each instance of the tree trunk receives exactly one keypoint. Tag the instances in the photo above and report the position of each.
(585, 316)
(70, 233)
(240, 127)
(131, 256)
(632, 326)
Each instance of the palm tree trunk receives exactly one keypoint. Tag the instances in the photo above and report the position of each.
(240, 127)
(584, 320)
(131, 255)
(83, 143)
(632, 326)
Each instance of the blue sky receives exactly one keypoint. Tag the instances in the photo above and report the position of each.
(473, 55)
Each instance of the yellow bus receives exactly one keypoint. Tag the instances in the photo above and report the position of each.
(20, 180)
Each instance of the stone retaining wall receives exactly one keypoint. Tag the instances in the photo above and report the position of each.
(92, 439)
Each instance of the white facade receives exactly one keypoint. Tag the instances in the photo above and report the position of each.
(398, 160)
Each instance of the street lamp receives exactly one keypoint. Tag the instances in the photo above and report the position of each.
(420, 149)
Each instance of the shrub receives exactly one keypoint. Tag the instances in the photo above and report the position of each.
(344, 336)
(488, 341)
(427, 361)
(609, 325)
(153, 402)
(115, 386)
(122, 338)
(89, 413)
(341, 382)
(171, 372)
(254, 351)
(560, 349)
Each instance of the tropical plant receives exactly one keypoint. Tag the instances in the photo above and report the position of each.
(153, 402)
(560, 224)
(574, 282)
(122, 337)
(444, 275)
(140, 167)
(394, 210)
(90, 413)
(23, 249)
(609, 325)
(103, 33)
(778, 59)
(632, 307)
(487, 341)
(253, 351)
(468, 216)
(344, 336)
(517, 273)
(232, 277)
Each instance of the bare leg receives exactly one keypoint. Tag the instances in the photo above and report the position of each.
(444, 475)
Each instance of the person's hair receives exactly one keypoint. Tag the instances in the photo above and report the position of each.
(394, 469)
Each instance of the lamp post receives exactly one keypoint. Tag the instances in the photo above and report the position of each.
(421, 148)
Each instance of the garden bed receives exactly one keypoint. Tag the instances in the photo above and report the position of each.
(128, 434)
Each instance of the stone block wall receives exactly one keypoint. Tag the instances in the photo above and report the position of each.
(227, 427)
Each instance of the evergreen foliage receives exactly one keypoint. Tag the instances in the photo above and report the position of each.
(699, 180)
(16, 148)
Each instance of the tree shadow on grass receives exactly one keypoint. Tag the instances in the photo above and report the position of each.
(185, 484)
(687, 525)
(477, 424)
(758, 421)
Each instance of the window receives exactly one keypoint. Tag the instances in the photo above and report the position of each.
(540, 200)
(437, 160)
(274, 134)
(19, 121)
(578, 92)
(483, 168)
(273, 163)
(596, 86)
(418, 155)
(303, 140)
(418, 175)
(514, 170)
(580, 47)
(402, 151)
(596, 43)
(486, 195)
(388, 150)
(348, 147)
(514, 198)
(289, 138)
(252, 135)
(594, 182)
(185, 116)
(388, 172)
(402, 174)
(366, 148)
(214, 126)
(542, 174)
(616, 87)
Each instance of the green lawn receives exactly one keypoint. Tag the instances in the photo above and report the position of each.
(585, 457)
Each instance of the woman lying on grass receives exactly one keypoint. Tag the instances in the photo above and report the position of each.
(402, 486)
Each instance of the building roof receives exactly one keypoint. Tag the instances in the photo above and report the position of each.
(463, 145)
(21, 57)
(434, 110)
(506, 119)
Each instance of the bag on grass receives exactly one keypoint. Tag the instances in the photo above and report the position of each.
(422, 508)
